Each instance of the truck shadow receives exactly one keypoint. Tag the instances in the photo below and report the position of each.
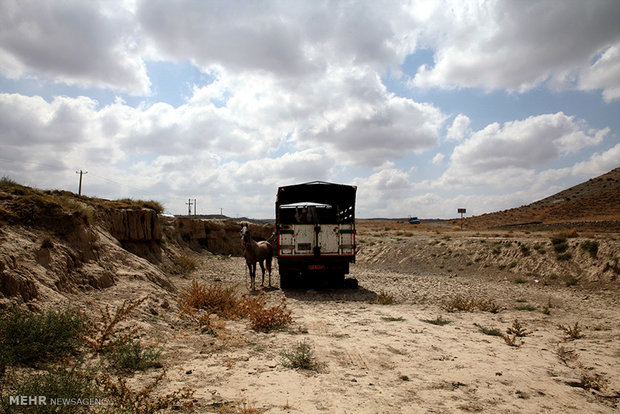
(320, 294)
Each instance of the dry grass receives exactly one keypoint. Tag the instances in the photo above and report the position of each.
(211, 299)
(184, 265)
(384, 298)
(199, 302)
(264, 318)
(569, 233)
(109, 330)
(572, 332)
(469, 304)
(142, 401)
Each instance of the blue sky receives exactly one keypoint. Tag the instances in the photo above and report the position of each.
(426, 106)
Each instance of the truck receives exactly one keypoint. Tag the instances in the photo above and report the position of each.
(315, 228)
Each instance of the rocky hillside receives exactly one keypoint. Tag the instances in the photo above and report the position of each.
(54, 243)
(594, 204)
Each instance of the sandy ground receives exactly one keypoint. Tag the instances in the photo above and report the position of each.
(385, 358)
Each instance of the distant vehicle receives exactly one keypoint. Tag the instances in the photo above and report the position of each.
(315, 226)
(414, 220)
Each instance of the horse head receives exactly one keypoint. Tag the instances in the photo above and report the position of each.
(245, 234)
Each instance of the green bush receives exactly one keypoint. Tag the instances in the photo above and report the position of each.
(132, 356)
(58, 382)
(30, 338)
(525, 251)
(559, 244)
(565, 256)
(300, 357)
(591, 246)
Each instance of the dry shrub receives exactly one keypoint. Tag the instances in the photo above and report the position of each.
(567, 355)
(184, 264)
(572, 332)
(383, 298)
(142, 401)
(107, 331)
(212, 299)
(469, 304)
(263, 318)
(569, 233)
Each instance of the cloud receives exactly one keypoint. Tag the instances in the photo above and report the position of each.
(288, 39)
(459, 128)
(603, 74)
(485, 45)
(598, 163)
(73, 42)
(438, 159)
(500, 155)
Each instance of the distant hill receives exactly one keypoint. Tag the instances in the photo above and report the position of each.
(594, 203)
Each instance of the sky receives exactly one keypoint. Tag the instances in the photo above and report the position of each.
(426, 106)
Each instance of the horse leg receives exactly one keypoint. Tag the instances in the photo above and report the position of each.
(268, 264)
(252, 270)
(262, 268)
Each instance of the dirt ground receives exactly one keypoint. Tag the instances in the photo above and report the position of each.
(388, 358)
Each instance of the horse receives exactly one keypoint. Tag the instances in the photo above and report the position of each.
(256, 252)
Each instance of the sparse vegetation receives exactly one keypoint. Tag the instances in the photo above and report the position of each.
(525, 251)
(526, 307)
(572, 281)
(569, 233)
(571, 332)
(111, 329)
(565, 256)
(184, 265)
(213, 298)
(265, 318)
(61, 381)
(132, 356)
(488, 331)
(460, 303)
(384, 298)
(566, 355)
(590, 246)
(149, 204)
(141, 401)
(28, 338)
(560, 245)
(300, 357)
(54, 337)
(514, 334)
(437, 321)
(393, 319)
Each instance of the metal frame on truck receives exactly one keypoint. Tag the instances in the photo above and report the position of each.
(315, 226)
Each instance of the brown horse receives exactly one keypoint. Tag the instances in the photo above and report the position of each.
(256, 252)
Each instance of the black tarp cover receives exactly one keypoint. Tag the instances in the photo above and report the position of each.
(340, 195)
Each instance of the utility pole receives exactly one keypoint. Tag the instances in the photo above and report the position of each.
(189, 206)
(221, 211)
(80, 188)
(194, 206)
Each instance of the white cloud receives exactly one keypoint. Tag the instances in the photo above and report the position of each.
(460, 128)
(604, 74)
(75, 42)
(300, 39)
(598, 163)
(516, 46)
(438, 159)
(503, 155)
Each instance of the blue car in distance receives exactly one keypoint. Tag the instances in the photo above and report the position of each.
(414, 220)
